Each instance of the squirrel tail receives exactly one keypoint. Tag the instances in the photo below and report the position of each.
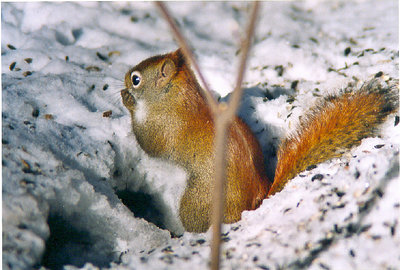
(336, 124)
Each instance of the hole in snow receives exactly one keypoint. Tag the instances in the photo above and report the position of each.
(68, 245)
(143, 206)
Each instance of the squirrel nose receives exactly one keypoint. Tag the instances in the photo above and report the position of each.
(127, 97)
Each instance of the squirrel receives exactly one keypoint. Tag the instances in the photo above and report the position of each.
(171, 120)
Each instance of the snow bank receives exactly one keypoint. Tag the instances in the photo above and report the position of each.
(78, 190)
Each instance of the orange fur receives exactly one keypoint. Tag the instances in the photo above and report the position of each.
(336, 124)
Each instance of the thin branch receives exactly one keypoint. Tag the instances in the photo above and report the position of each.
(223, 120)
(221, 141)
(223, 116)
(189, 55)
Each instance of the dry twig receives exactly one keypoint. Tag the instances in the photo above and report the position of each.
(223, 116)
(223, 121)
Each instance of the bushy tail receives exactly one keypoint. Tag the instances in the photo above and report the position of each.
(338, 123)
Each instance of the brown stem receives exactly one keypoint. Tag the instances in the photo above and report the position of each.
(223, 116)
(223, 121)
(222, 124)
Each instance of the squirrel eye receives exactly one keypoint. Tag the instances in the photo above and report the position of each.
(136, 79)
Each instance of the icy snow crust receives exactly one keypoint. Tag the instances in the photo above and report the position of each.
(78, 190)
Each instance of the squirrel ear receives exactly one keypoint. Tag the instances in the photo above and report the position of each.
(167, 70)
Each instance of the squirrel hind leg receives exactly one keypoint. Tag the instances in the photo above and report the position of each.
(337, 123)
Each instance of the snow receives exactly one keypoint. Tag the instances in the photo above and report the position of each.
(78, 192)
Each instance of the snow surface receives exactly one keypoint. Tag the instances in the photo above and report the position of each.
(78, 190)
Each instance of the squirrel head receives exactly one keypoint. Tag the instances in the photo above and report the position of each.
(164, 100)
(150, 80)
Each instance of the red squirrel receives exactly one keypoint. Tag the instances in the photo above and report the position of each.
(171, 120)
